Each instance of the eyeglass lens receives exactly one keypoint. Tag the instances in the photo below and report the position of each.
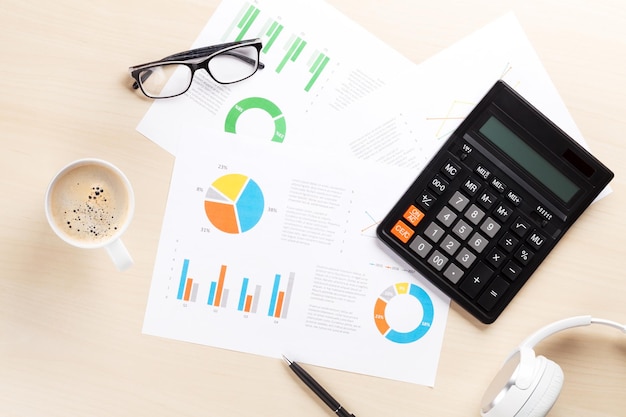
(167, 80)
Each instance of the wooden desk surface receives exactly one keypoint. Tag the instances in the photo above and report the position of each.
(70, 324)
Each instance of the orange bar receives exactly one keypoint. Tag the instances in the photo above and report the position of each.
(220, 286)
(187, 289)
(279, 304)
(248, 303)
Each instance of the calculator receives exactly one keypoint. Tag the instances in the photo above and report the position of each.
(493, 202)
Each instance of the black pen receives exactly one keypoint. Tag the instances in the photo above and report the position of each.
(317, 389)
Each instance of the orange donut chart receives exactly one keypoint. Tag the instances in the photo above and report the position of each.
(403, 288)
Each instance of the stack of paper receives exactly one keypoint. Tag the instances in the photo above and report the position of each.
(268, 244)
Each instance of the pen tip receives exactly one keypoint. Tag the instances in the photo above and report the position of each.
(286, 360)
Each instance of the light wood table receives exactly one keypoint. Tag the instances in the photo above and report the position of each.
(70, 324)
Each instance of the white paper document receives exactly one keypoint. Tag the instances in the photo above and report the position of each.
(270, 250)
(317, 63)
(406, 122)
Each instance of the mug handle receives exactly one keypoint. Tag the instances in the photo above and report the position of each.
(119, 255)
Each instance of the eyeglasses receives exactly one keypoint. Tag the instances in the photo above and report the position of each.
(226, 63)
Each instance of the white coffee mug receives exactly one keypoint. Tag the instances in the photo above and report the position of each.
(89, 204)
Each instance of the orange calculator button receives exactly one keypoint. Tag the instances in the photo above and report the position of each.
(402, 231)
(413, 215)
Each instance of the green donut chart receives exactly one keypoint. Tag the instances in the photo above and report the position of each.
(402, 289)
(280, 125)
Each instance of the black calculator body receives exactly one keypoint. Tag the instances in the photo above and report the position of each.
(493, 202)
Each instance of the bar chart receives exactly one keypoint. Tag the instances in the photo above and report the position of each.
(249, 301)
(218, 295)
(258, 293)
(251, 22)
(279, 302)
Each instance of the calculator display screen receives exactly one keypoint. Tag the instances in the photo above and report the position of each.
(529, 159)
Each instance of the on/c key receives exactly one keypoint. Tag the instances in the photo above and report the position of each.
(413, 215)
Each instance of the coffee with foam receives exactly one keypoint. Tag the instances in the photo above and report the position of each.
(89, 204)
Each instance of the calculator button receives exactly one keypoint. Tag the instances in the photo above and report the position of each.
(450, 170)
(426, 200)
(474, 214)
(490, 227)
(498, 185)
(471, 186)
(514, 198)
(402, 231)
(493, 293)
(433, 232)
(520, 227)
(466, 149)
(453, 273)
(450, 245)
(496, 258)
(502, 212)
(486, 200)
(476, 279)
(437, 260)
(458, 201)
(523, 255)
(462, 229)
(482, 171)
(478, 242)
(508, 242)
(535, 240)
(511, 270)
(446, 216)
(466, 258)
(413, 215)
(420, 246)
(438, 184)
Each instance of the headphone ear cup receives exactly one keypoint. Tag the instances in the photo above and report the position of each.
(546, 391)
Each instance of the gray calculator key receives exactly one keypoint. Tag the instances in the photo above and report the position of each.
(458, 201)
(466, 258)
(446, 216)
(450, 245)
(453, 273)
(478, 242)
(462, 230)
(474, 214)
(434, 232)
(490, 227)
(438, 260)
(420, 246)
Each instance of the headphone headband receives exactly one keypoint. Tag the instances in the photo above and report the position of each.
(526, 348)
(531, 341)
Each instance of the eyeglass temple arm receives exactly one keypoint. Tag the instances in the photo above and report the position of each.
(200, 52)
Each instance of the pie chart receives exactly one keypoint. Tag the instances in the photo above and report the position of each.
(234, 203)
(418, 325)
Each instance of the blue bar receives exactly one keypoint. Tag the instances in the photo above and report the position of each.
(274, 296)
(212, 293)
(242, 295)
(183, 279)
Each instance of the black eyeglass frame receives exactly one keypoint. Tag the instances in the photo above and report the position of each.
(184, 58)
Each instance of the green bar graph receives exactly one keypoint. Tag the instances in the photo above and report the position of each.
(272, 33)
(250, 22)
(316, 70)
(292, 54)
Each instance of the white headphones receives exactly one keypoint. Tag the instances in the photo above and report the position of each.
(528, 385)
